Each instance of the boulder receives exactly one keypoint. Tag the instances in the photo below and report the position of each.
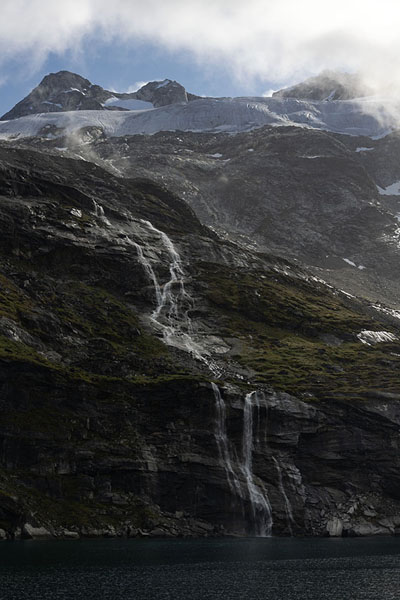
(30, 532)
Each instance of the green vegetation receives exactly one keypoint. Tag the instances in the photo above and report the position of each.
(281, 323)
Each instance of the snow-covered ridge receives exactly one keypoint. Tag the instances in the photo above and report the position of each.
(368, 117)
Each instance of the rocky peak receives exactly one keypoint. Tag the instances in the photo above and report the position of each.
(66, 91)
(328, 85)
(61, 81)
(162, 93)
(57, 92)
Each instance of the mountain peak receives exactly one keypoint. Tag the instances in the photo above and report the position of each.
(62, 91)
(66, 91)
(162, 93)
(328, 85)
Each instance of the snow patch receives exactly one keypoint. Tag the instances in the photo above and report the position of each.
(388, 311)
(362, 149)
(163, 83)
(390, 190)
(53, 103)
(349, 262)
(375, 337)
(129, 104)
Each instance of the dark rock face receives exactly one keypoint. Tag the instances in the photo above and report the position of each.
(110, 424)
(329, 85)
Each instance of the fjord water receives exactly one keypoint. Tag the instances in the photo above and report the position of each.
(230, 569)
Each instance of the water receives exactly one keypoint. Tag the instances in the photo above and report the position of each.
(174, 303)
(260, 505)
(144, 261)
(223, 569)
(221, 437)
(247, 486)
(288, 507)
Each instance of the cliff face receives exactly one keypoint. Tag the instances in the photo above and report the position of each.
(155, 379)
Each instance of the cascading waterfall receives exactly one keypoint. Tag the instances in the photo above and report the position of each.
(149, 271)
(99, 212)
(221, 438)
(173, 303)
(288, 507)
(260, 505)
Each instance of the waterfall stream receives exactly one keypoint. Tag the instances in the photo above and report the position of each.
(174, 303)
(221, 438)
(149, 271)
(288, 507)
(171, 314)
(246, 484)
(99, 213)
(260, 505)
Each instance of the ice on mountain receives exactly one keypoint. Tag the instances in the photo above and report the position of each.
(222, 115)
(163, 83)
(128, 104)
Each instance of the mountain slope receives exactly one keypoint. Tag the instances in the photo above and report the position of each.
(113, 390)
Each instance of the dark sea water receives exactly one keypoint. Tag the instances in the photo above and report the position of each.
(228, 569)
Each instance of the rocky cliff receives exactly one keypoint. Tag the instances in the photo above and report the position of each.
(156, 379)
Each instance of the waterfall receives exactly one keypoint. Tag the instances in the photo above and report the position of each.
(261, 512)
(288, 507)
(221, 438)
(98, 209)
(173, 303)
(260, 505)
(149, 271)
(99, 213)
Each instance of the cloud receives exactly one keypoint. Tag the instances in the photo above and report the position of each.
(274, 40)
(268, 93)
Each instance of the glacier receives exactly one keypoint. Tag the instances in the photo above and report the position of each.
(372, 117)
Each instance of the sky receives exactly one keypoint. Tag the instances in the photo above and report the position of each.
(212, 47)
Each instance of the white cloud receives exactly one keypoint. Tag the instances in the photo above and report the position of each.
(268, 93)
(275, 40)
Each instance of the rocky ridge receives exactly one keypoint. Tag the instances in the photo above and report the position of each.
(66, 91)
